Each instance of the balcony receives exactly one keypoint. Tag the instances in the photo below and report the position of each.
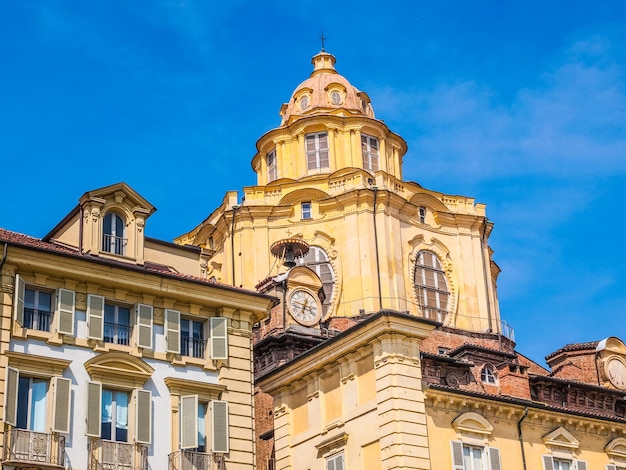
(109, 455)
(191, 460)
(33, 449)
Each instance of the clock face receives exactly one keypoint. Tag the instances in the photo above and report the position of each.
(304, 307)
(616, 372)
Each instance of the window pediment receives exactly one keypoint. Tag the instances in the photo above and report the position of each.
(472, 423)
(40, 366)
(205, 391)
(118, 369)
(561, 438)
(616, 448)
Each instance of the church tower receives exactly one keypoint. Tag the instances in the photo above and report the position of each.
(330, 177)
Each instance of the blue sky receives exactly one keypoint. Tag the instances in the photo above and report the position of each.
(520, 104)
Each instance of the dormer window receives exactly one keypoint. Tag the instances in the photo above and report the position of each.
(272, 172)
(369, 150)
(422, 213)
(317, 151)
(488, 375)
(113, 234)
(306, 210)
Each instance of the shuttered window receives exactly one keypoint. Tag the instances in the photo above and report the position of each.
(61, 411)
(335, 462)
(369, 151)
(317, 151)
(466, 457)
(144, 326)
(172, 330)
(95, 317)
(219, 338)
(550, 463)
(143, 419)
(66, 309)
(219, 427)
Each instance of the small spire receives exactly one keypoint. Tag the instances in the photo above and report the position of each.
(323, 38)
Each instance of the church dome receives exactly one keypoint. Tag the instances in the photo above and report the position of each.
(325, 92)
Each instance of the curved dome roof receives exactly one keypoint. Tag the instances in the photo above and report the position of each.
(325, 92)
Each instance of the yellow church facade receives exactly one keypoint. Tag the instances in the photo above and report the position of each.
(331, 175)
(387, 349)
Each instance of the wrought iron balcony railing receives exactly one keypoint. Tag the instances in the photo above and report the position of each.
(33, 448)
(109, 455)
(191, 460)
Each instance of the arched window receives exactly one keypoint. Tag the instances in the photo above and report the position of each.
(488, 375)
(317, 260)
(113, 234)
(431, 287)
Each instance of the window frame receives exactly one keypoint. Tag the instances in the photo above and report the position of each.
(112, 242)
(335, 462)
(35, 311)
(422, 289)
(272, 169)
(422, 214)
(306, 210)
(488, 375)
(321, 163)
(370, 156)
(118, 327)
(190, 340)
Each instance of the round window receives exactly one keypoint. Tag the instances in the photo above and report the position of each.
(335, 97)
(304, 102)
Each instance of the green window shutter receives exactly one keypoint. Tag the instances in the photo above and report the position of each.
(219, 427)
(61, 412)
(456, 448)
(18, 300)
(10, 396)
(172, 330)
(94, 408)
(219, 338)
(189, 422)
(548, 463)
(144, 326)
(144, 417)
(494, 458)
(65, 311)
(95, 317)
(581, 465)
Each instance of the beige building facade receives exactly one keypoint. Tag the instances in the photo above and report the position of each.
(117, 352)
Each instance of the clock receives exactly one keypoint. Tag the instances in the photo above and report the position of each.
(304, 307)
(616, 372)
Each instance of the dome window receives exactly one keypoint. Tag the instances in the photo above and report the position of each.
(304, 103)
(335, 97)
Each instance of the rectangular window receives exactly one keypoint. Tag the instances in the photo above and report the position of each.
(472, 458)
(422, 215)
(335, 462)
(117, 329)
(37, 309)
(192, 342)
(272, 172)
(306, 210)
(114, 424)
(31, 404)
(317, 151)
(369, 150)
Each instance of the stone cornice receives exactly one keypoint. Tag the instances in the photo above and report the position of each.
(205, 391)
(362, 335)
